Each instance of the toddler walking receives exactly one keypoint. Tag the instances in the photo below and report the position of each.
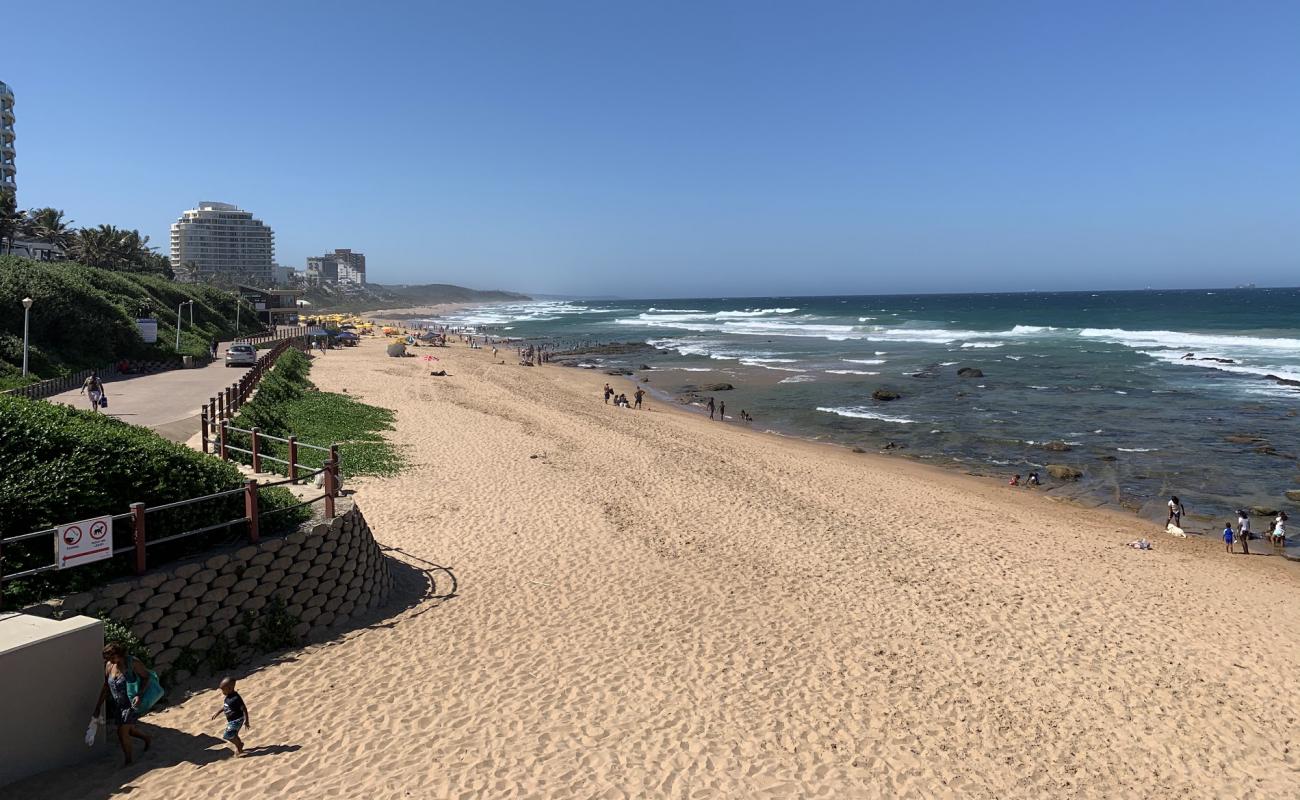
(236, 715)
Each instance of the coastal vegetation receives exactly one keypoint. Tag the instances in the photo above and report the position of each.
(373, 296)
(287, 403)
(63, 464)
(103, 246)
(84, 317)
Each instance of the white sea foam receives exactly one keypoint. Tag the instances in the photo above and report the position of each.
(982, 345)
(1137, 449)
(850, 372)
(1188, 342)
(863, 360)
(859, 412)
(798, 379)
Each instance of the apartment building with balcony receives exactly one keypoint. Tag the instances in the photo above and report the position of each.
(8, 172)
(222, 239)
(341, 266)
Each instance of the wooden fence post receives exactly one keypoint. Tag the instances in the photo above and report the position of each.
(329, 490)
(257, 456)
(222, 444)
(137, 525)
(203, 416)
(250, 509)
(293, 458)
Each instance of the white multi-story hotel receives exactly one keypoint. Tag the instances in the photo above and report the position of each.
(218, 238)
(8, 172)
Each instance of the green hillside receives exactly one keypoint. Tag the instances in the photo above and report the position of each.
(84, 317)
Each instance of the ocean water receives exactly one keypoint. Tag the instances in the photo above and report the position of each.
(1153, 392)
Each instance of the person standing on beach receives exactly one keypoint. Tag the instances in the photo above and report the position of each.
(608, 393)
(640, 393)
(236, 715)
(1175, 513)
(118, 667)
(1243, 530)
(722, 411)
(710, 408)
(1227, 537)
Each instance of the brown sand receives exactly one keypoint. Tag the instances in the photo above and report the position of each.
(654, 605)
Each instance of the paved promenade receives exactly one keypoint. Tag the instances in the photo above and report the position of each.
(168, 402)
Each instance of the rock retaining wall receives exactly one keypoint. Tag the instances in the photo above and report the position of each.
(191, 610)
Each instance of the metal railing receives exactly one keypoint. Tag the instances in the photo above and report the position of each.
(280, 335)
(53, 386)
(230, 399)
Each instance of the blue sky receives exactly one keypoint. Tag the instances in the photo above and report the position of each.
(687, 149)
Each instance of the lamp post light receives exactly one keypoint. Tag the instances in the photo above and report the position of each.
(180, 320)
(27, 313)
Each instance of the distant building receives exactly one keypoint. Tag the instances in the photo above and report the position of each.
(341, 266)
(8, 172)
(274, 306)
(281, 276)
(222, 239)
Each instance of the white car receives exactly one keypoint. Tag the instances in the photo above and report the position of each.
(241, 355)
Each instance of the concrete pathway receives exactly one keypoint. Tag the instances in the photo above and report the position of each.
(168, 402)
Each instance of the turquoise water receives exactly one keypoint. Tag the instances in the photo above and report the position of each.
(1153, 392)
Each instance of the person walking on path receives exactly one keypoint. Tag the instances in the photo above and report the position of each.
(93, 388)
(710, 408)
(1175, 513)
(118, 667)
(236, 715)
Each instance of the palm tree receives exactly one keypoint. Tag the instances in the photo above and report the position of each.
(110, 247)
(47, 225)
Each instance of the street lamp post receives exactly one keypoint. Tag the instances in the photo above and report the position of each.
(237, 305)
(180, 320)
(27, 313)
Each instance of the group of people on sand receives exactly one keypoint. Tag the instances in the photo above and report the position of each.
(720, 410)
(1032, 480)
(621, 401)
(1240, 534)
(128, 691)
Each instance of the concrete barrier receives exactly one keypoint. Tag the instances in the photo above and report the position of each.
(52, 672)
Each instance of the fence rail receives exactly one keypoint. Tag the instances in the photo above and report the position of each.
(215, 419)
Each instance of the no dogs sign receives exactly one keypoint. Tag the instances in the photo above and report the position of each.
(83, 542)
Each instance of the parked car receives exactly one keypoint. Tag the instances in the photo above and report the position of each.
(241, 355)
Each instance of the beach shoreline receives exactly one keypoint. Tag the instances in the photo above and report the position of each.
(652, 604)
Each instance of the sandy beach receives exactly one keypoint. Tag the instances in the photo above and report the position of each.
(655, 605)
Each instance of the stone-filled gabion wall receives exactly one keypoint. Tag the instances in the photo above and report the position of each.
(323, 575)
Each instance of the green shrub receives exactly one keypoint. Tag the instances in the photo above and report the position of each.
(117, 633)
(84, 317)
(287, 404)
(62, 464)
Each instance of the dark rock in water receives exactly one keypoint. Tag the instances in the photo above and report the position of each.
(1263, 511)
(716, 387)
(922, 374)
(1057, 447)
(645, 366)
(1282, 381)
(1107, 458)
(1241, 438)
(1064, 473)
(970, 372)
(885, 395)
(859, 450)
(1293, 413)
(1293, 495)
(1217, 360)
(645, 380)
(618, 372)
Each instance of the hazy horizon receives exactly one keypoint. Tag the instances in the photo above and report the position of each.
(687, 150)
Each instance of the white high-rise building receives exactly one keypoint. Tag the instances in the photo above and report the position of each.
(8, 172)
(219, 238)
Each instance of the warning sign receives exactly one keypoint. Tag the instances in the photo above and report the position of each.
(86, 541)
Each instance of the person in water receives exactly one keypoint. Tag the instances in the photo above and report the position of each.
(1279, 529)
(710, 408)
(118, 666)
